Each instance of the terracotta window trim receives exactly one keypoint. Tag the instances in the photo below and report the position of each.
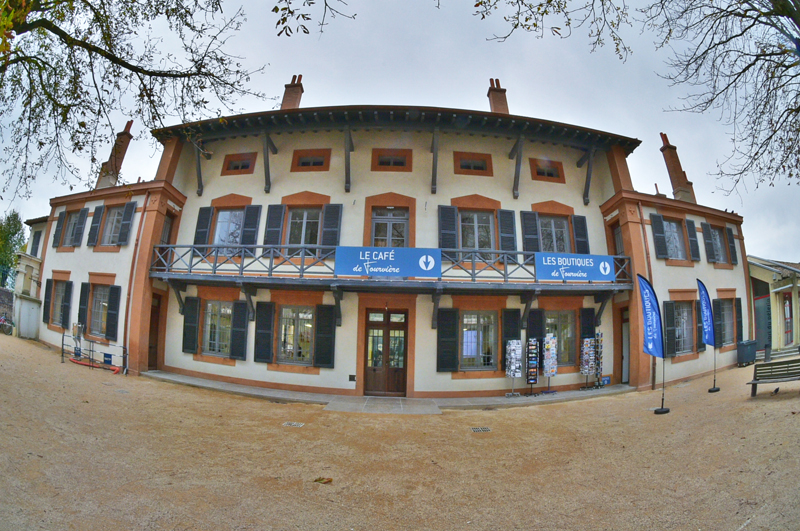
(686, 356)
(391, 155)
(239, 163)
(301, 156)
(548, 166)
(460, 157)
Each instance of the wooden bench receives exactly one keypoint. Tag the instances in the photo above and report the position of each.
(774, 372)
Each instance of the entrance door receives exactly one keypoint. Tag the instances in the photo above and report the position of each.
(626, 347)
(385, 373)
(29, 320)
(152, 350)
(763, 324)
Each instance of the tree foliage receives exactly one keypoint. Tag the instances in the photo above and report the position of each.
(12, 238)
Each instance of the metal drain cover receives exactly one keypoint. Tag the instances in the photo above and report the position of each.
(294, 424)
(482, 429)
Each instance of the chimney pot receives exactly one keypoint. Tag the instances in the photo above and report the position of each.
(682, 188)
(292, 93)
(497, 97)
(109, 170)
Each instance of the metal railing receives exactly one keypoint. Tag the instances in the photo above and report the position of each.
(105, 357)
(316, 261)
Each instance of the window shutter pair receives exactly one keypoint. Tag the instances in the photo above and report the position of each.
(531, 237)
(48, 291)
(511, 330)
(112, 314)
(670, 338)
(324, 334)
(124, 229)
(701, 346)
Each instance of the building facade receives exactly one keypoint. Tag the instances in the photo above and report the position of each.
(389, 250)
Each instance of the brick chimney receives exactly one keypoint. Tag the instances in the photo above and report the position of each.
(682, 188)
(109, 171)
(293, 93)
(497, 97)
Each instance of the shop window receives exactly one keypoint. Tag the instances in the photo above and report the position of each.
(562, 325)
(727, 321)
(311, 160)
(389, 227)
(554, 234)
(112, 226)
(550, 171)
(391, 160)
(684, 327)
(477, 231)
(239, 164)
(217, 325)
(472, 164)
(296, 335)
(478, 340)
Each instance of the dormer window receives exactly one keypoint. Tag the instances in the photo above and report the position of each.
(239, 164)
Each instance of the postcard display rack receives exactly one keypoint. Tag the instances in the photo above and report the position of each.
(550, 359)
(513, 363)
(532, 365)
(592, 361)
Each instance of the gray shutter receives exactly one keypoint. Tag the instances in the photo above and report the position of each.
(239, 331)
(252, 219)
(94, 228)
(203, 228)
(508, 230)
(112, 316)
(710, 256)
(732, 246)
(536, 324)
(265, 322)
(701, 346)
(717, 310)
(48, 293)
(739, 324)
(530, 232)
(448, 231)
(659, 238)
(83, 305)
(127, 222)
(275, 215)
(191, 324)
(694, 246)
(580, 234)
(325, 336)
(37, 236)
(66, 304)
(510, 331)
(669, 329)
(77, 232)
(331, 225)
(59, 228)
(587, 323)
(447, 338)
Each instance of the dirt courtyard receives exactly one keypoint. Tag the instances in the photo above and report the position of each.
(87, 450)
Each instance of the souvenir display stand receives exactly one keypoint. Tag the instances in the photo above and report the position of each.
(588, 361)
(532, 365)
(550, 361)
(598, 359)
(513, 363)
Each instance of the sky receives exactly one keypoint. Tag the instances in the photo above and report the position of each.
(411, 53)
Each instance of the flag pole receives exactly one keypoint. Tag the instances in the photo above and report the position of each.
(662, 410)
(715, 389)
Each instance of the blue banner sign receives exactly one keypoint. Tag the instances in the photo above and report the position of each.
(574, 267)
(653, 337)
(707, 314)
(388, 262)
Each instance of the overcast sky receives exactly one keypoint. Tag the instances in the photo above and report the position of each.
(410, 53)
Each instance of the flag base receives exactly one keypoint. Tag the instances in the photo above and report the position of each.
(661, 411)
(714, 390)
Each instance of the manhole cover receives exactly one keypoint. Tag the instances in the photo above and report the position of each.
(293, 424)
(482, 429)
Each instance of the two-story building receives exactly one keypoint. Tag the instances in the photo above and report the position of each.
(388, 250)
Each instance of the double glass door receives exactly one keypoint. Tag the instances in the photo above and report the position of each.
(387, 352)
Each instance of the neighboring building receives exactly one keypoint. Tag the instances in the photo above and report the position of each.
(27, 305)
(258, 223)
(775, 295)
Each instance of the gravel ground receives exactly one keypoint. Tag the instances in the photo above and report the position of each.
(87, 450)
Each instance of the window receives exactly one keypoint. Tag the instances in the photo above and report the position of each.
(99, 310)
(391, 160)
(296, 335)
(166, 231)
(311, 160)
(478, 340)
(562, 325)
(303, 226)
(217, 328)
(239, 164)
(550, 171)
(719, 245)
(477, 231)
(472, 164)
(389, 227)
(676, 247)
(72, 222)
(112, 226)
(58, 299)
(788, 333)
(727, 320)
(619, 248)
(229, 229)
(684, 327)
(554, 232)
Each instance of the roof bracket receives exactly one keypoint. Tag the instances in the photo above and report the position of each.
(177, 287)
(526, 299)
(250, 292)
(337, 299)
(348, 148)
(267, 147)
(197, 154)
(435, 297)
(435, 151)
(603, 300)
(516, 151)
(589, 165)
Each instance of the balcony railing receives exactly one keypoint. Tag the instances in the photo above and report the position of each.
(249, 263)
